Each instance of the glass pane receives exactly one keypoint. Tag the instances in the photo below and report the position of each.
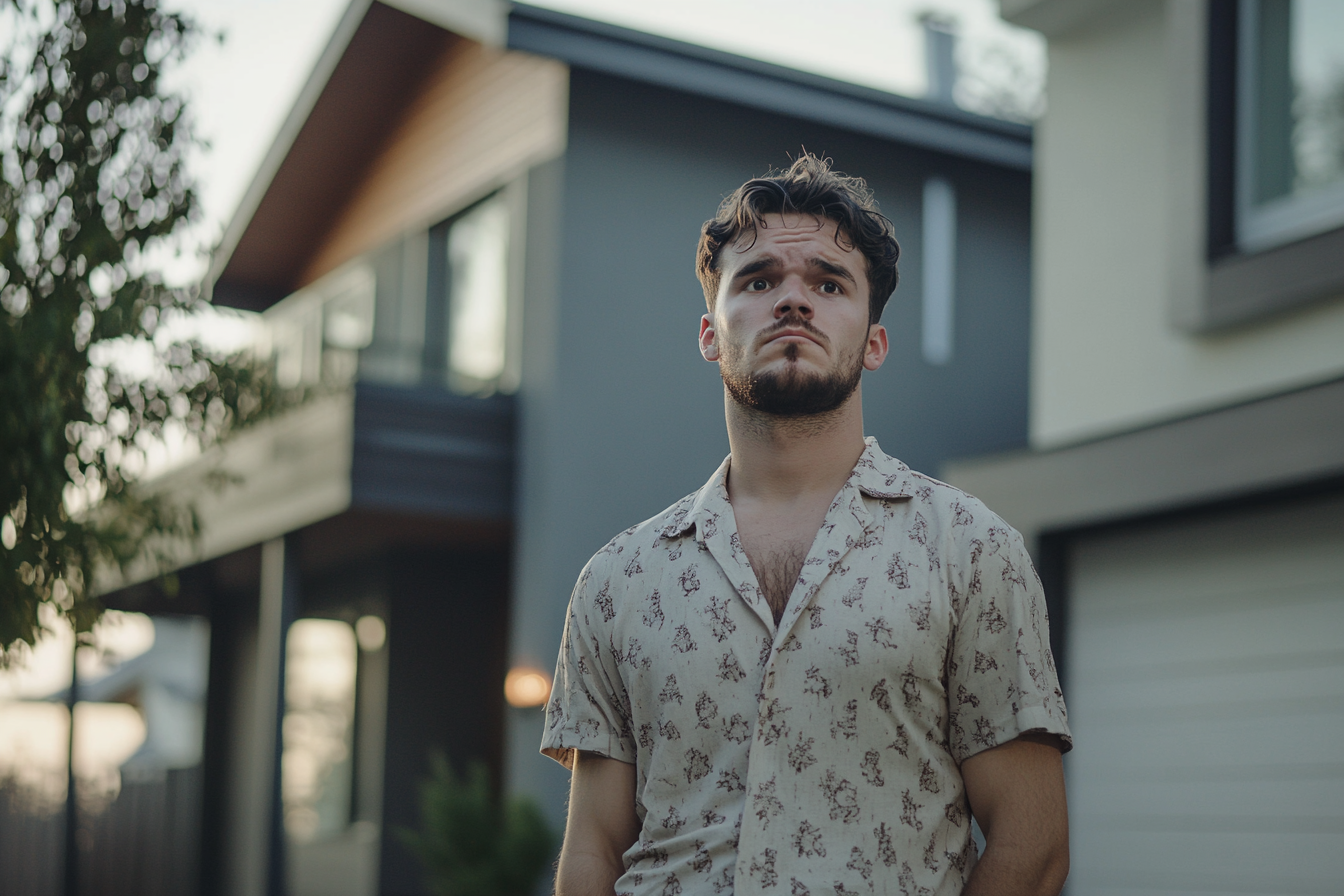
(1318, 72)
(1299, 102)
(315, 767)
(478, 245)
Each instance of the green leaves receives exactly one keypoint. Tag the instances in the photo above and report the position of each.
(92, 173)
(472, 845)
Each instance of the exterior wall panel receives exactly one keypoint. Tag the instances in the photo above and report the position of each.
(1120, 252)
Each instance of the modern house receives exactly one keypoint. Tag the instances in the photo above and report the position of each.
(473, 243)
(1185, 481)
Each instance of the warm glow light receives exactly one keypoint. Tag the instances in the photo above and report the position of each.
(526, 687)
(371, 632)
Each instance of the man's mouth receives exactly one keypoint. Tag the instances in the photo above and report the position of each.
(795, 333)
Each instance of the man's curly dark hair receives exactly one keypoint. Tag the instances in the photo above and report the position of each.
(808, 187)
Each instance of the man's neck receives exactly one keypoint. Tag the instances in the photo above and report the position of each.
(785, 459)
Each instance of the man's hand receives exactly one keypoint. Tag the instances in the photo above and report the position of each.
(1016, 792)
(602, 826)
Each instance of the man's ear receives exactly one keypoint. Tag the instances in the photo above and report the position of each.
(875, 352)
(709, 346)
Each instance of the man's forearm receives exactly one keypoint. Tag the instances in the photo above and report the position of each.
(586, 874)
(602, 826)
(1016, 792)
(1005, 871)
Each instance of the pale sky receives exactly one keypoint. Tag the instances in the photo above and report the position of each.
(241, 90)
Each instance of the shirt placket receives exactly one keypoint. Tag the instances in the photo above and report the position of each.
(720, 537)
(845, 525)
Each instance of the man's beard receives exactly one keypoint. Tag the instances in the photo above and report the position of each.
(789, 393)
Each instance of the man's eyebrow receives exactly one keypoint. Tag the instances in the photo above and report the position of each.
(821, 264)
(764, 263)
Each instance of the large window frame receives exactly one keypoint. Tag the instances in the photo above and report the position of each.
(1261, 262)
(1276, 222)
(444, 307)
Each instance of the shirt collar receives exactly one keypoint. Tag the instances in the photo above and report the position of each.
(879, 475)
(876, 475)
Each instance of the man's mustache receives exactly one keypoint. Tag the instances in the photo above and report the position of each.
(791, 321)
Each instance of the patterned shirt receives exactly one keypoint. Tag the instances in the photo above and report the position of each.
(820, 755)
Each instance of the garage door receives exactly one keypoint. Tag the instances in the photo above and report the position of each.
(1205, 684)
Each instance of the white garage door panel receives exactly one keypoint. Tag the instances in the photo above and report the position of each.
(1233, 740)
(1316, 800)
(1139, 878)
(1191, 643)
(1254, 692)
(1218, 857)
(1205, 682)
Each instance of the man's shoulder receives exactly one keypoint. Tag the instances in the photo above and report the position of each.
(643, 539)
(956, 511)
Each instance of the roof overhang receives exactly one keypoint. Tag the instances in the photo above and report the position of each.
(359, 88)
(1263, 446)
(598, 46)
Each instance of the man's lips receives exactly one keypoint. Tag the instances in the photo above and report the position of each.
(793, 336)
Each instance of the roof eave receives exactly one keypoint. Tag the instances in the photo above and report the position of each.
(284, 139)
(614, 50)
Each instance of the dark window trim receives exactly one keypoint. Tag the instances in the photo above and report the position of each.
(1243, 287)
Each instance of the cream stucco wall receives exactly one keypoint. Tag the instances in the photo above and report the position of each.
(1119, 235)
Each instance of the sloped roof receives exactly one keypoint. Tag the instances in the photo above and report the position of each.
(364, 80)
(356, 93)
(599, 46)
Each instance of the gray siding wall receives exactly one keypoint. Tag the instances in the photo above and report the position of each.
(619, 414)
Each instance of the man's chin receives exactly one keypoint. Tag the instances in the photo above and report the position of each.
(792, 392)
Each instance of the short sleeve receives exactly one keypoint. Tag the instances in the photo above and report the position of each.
(589, 705)
(1002, 681)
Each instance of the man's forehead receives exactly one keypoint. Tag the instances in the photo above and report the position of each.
(782, 232)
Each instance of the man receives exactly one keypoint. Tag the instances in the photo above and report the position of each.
(807, 676)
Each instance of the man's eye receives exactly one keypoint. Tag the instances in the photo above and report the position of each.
(760, 284)
(831, 287)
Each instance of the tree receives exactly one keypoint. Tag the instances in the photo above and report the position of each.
(93, 177)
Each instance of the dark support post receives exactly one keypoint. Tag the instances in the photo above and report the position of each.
(71, 796)
(276, 878)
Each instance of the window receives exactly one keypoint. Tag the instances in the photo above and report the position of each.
(1275, 176)
(939, 270)
(478, 251)
(439, 307)
(318, 731)
(1290, 121)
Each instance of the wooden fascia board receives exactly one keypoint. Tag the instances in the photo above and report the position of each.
(289, 132)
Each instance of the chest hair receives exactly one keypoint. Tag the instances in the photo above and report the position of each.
(777, 572)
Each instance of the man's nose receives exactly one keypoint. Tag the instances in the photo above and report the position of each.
(793, 298)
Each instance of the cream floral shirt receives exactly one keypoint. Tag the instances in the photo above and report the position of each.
(819, 756)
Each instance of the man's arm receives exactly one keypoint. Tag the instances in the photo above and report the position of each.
(1016, 792)
(602, 826)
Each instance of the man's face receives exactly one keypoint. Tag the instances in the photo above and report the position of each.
(790, 325)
